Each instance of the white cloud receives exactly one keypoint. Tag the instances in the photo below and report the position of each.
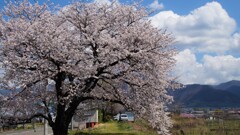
(210, 70)
(187, 68)
(223, 67)
(156, 6)
(102, 2)
(210, 30)
(207, 29)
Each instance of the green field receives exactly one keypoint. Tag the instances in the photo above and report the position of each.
(118, 128)
(182, 126)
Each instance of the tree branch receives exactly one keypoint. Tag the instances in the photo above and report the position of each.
(51, 123)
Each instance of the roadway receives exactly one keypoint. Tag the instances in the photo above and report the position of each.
(39, 131)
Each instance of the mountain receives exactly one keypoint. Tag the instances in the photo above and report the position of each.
(227, 85)
(196, 95)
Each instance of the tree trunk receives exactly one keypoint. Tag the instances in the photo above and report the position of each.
(62, 122)
(60, 129)
(104, 119)
(64, 113)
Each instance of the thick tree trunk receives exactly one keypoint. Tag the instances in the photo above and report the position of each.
(60, 126)
(60, 129)
(64, 112)
(61, 123)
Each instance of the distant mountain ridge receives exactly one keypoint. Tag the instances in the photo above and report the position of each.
(227, 85)
(196, 95)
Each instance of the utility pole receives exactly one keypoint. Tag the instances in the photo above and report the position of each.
(72, 124)
(45, 127)
(45, 121)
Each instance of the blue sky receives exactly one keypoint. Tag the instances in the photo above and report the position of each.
(207, 35)
(208, 38)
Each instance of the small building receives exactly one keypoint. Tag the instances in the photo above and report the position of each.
(233, 114)
(87, 120)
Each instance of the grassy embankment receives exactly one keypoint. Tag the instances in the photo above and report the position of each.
(182, 126)
(118, 128)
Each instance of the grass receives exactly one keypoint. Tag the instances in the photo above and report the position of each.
(190, 126)
(28, 126)
(182, 126)
(20, 127)
(118, 128)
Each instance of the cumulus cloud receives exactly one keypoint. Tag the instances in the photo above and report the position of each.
(208, 70)
(207, 29)
(207, 38)
(156, 6)
(187, 69)
(103, 2)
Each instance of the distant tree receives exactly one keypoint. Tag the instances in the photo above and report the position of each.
(55, 59)
(176, 108)
(105, 108)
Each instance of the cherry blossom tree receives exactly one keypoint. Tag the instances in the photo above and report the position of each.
(60, 57)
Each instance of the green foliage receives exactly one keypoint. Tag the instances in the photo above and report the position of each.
(108, 117)
(100, 115)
